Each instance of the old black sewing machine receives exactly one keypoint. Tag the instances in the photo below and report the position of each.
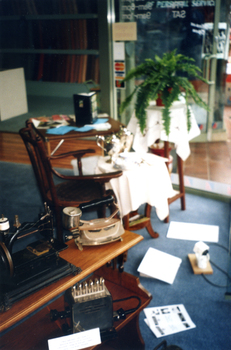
(24, 271)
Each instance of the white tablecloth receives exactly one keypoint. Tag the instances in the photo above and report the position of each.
(148, 182)
(154, 131)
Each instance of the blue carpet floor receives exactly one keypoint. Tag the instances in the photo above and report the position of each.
(204, 300)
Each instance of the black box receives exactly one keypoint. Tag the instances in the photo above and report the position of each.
(85, 105)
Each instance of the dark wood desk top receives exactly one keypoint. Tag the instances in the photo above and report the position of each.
(90, 259)
(115, 127)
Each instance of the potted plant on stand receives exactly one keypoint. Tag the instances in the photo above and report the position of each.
(165, 78)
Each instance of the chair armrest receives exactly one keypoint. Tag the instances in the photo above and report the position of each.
(103, 178)
(76, 154)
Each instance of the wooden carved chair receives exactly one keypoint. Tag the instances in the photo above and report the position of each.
(73, 190)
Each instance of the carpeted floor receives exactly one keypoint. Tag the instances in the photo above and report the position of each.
(204, 300)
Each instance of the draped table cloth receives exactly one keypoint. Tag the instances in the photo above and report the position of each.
(147, 181)
(179, 134)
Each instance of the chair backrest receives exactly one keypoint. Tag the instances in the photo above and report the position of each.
(40, 162)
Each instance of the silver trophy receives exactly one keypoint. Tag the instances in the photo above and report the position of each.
(116, 143)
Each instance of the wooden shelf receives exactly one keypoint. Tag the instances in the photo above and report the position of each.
(49, 17)
(50, 51)
(53, 43)
(90, 259)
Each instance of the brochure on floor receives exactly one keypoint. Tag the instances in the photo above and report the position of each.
(166, 320)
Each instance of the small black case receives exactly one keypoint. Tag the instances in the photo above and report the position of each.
(85, 106)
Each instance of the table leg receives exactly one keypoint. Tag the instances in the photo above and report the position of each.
(166, 154)
(181, 181)
(180, 169)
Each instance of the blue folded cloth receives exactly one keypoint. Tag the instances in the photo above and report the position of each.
(62, 130)
(101, 121)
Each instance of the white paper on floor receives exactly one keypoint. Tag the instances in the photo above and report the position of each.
(159, 265)
(165, 320)
(193, 232)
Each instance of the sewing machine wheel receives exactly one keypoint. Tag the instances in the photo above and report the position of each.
(6, 259)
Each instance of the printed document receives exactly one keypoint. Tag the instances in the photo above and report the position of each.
(166, 320)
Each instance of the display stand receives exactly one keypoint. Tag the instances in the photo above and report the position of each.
(34, 332)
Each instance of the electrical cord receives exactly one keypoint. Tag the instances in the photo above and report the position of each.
(219, 245)
(220, 269)
(121, 313)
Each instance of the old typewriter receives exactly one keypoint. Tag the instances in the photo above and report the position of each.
(29, 258)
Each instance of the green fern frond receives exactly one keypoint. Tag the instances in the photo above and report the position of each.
(164, 76)
(189, 124)
(128, 100)
(166, 118)
(144, 96)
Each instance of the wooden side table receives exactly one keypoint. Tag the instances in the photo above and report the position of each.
(34, 332)
(179, 135)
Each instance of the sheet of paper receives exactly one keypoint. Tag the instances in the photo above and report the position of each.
(159, 265)
(166, 320)
(13, 98)
(193, 232)
(76, 341)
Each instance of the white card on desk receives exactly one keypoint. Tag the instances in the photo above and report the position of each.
(76, 341)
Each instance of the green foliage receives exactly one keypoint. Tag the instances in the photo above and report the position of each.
(163, 76)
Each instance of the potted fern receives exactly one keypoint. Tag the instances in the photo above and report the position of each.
(166, 78)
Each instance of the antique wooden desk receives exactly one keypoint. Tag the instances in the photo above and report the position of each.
(34, 310)
(80, 136)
